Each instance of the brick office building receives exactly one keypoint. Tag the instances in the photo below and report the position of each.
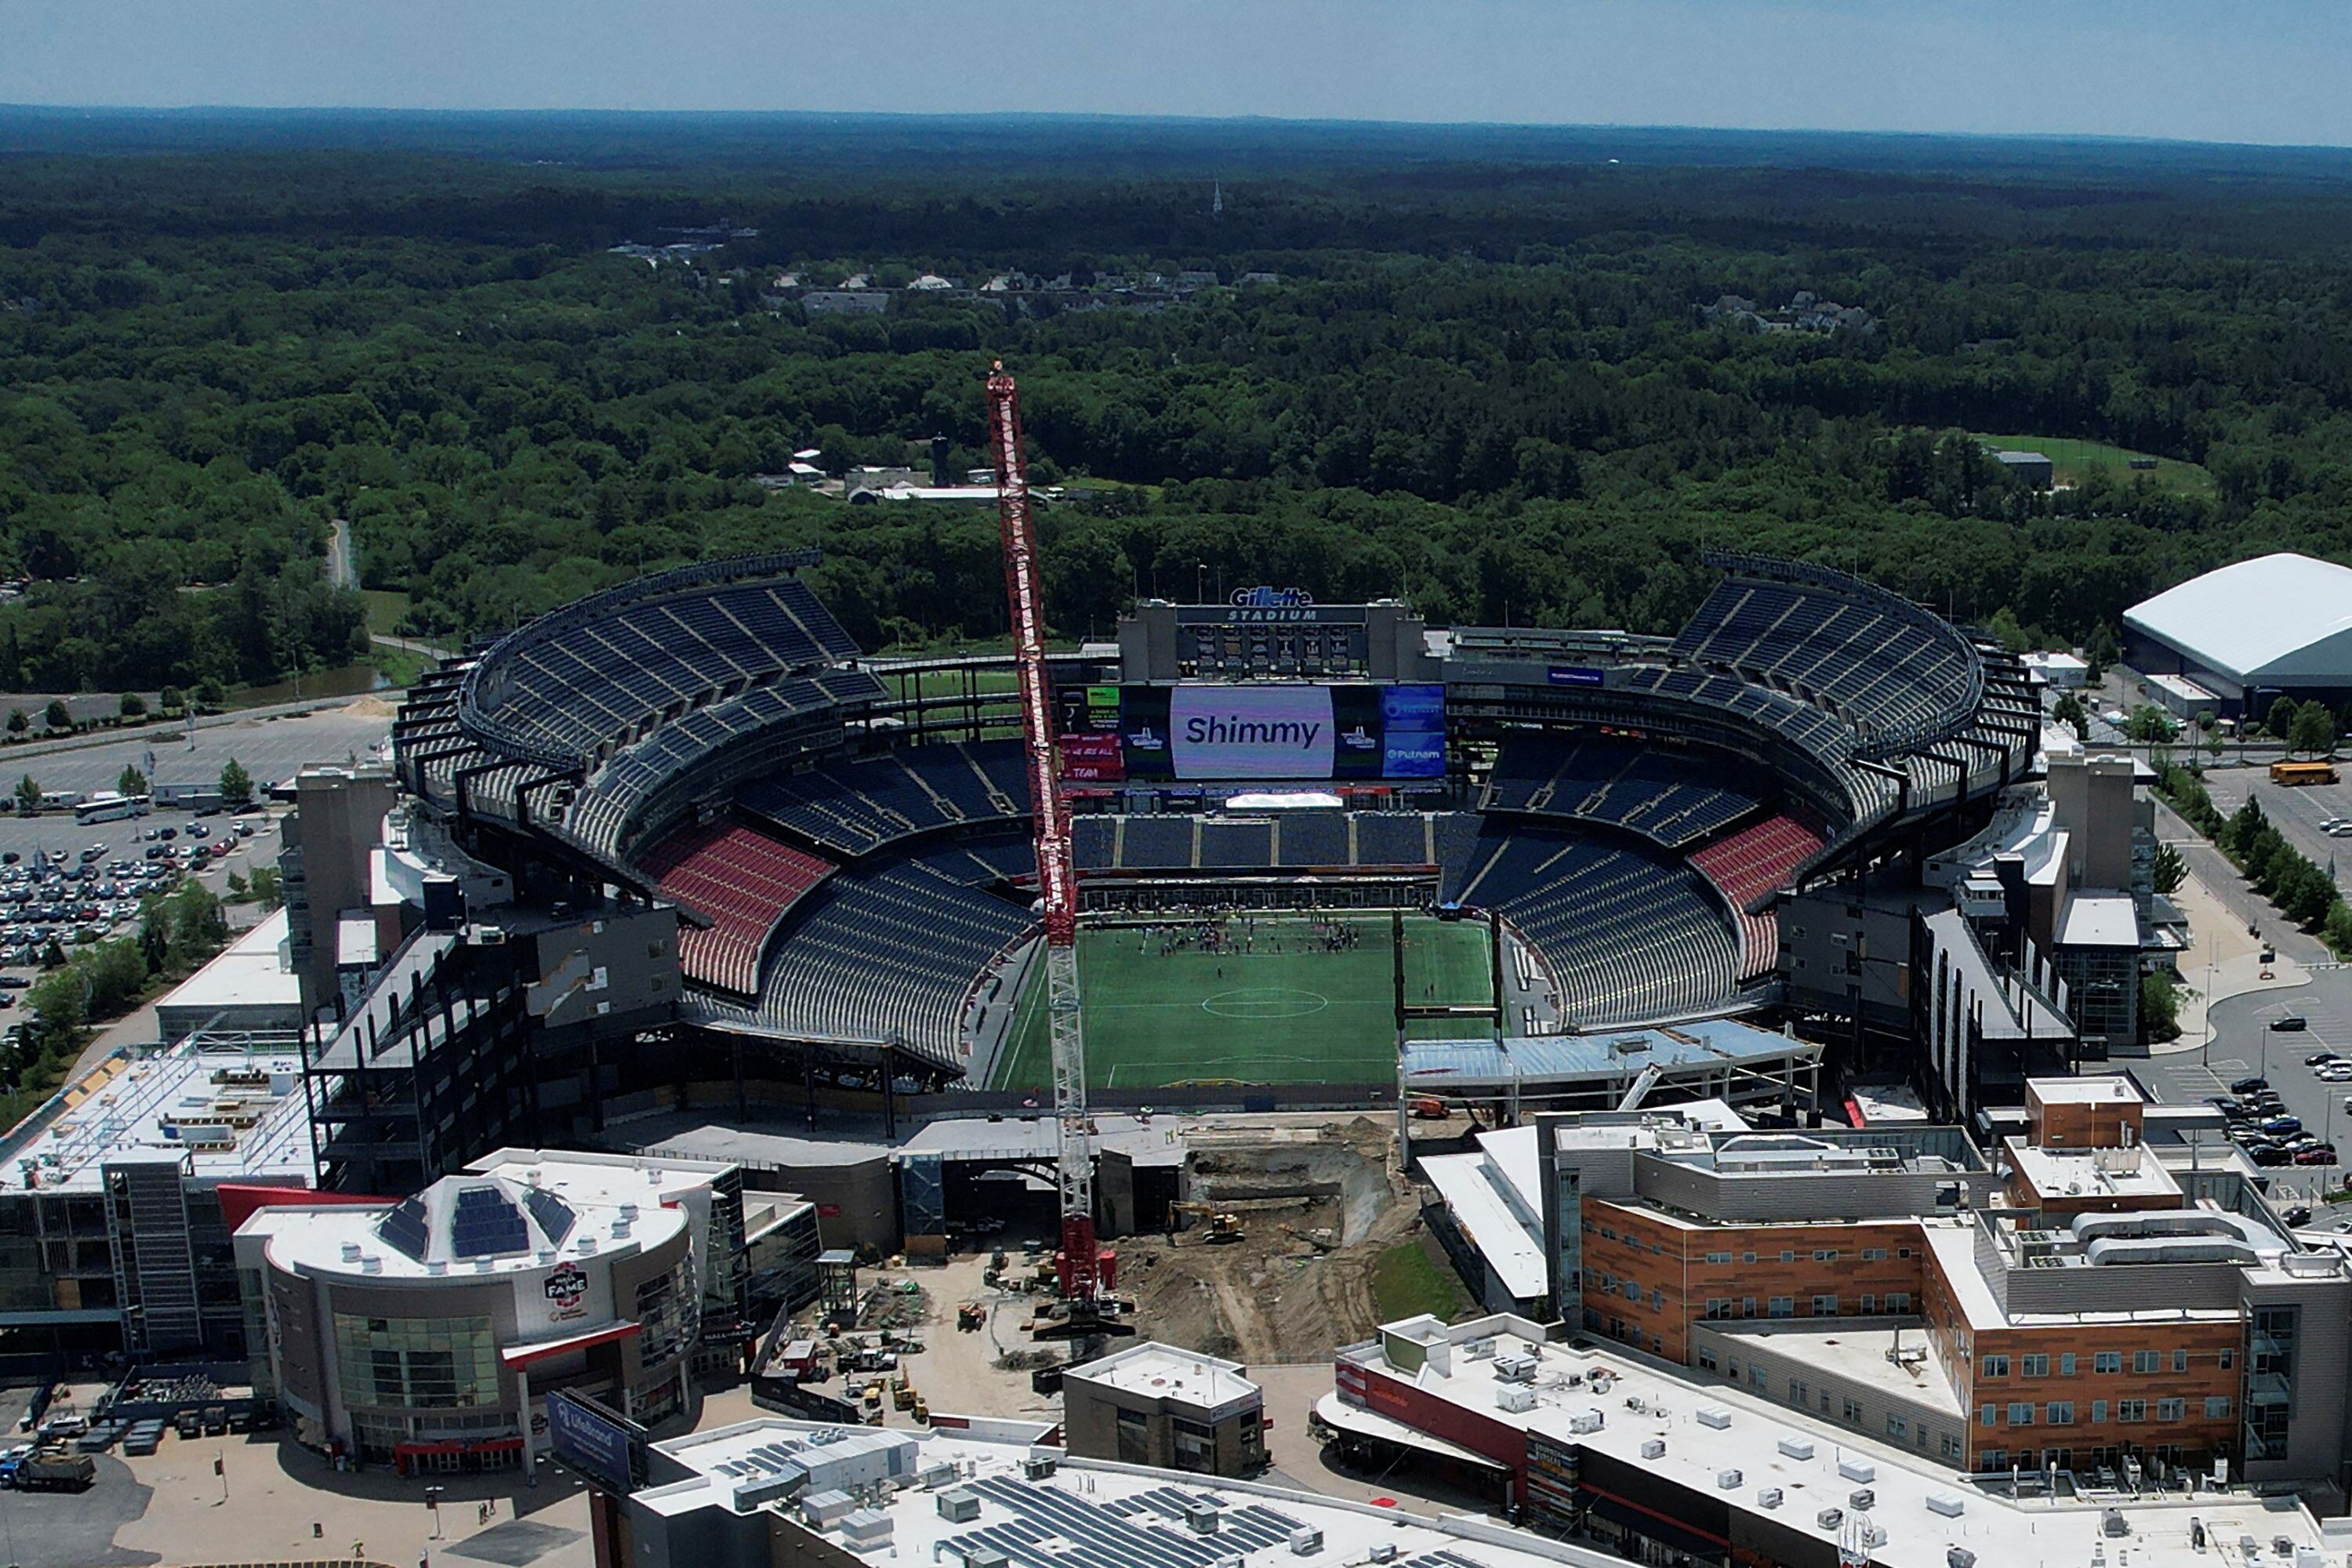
(2084, 1297)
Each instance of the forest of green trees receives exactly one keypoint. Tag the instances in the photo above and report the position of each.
(1487, 385)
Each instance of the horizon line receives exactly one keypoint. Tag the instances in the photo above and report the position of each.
(2119, 139)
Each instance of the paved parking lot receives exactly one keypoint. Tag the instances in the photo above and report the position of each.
(271, 748)
(2297, 812)
(2245, 1046)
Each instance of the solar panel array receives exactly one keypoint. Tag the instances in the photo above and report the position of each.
(485, 1224)
(1053, 1528)
(554, 1215)
(402, 1229)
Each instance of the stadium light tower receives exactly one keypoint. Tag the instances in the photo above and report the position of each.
(1081, 1270)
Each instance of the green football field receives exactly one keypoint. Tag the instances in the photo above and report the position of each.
(1287, 1010)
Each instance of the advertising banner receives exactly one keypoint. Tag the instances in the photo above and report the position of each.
(1230, 732)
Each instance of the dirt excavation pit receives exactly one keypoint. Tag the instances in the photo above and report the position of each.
(1317, 1207)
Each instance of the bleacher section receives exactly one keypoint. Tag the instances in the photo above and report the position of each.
(575, 685)
(1891, 668)
(804, 705)
(1307, 839)
(743, 881)
(1290, 841)
(1628, 934)
(1241, 844)
(856, 808)
(1747, 865)
(1674, 797)
(889, 953)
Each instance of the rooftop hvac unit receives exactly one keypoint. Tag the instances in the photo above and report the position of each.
(1514, 1397)
(1768, 1497)
(1038, 1467)
(1959, 1557)
(1830, 1518)
(1202, 1517)
(1729, 1481)
(1861, 1499)
(1854, 1470)
(985, 1557)
(934, 1476)
(1951, 1505)
(1714, 1415)
(1305, 1541)
(866, 1528)
(1654, 1448)
(958, 1506)
(1797, 1447)
(1479, 1349)
(1585, 1421)
(1382, 1551)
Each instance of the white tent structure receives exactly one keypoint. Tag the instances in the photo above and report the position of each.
(2275, 625)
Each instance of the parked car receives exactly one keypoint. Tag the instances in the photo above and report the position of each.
(2269, 1154)
(2317, 1154)
(2320, 1058)
(2290, 1023)
(2298, 1215)
(2280, 1126)
(2250, 1085)
(2336, 1072)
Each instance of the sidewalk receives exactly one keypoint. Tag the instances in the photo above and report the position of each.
(2223, 955)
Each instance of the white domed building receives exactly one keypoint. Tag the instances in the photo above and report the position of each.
(427, 1334)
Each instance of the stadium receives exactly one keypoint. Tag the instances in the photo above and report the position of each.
(1306, 833)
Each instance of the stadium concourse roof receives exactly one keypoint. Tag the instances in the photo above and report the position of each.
(1702, 1050)
(2275, 620)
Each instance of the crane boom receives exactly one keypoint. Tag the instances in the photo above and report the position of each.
(1057, 867)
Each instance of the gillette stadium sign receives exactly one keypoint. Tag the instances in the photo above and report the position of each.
(1269, 604)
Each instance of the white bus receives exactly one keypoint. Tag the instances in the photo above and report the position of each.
(107, 805)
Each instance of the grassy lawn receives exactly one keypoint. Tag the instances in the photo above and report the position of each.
(385, 608)
(2075, 461)
(1412, 1278)
(1288, 1010)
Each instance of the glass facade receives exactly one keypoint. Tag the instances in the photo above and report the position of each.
(670, 1312)
(416, 1364)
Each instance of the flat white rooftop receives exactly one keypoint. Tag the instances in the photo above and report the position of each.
(1167, 1372)
(1473, 1187)
(1856, 1350)
(251, 972)
(230, 1115)
(1640, 1402)
(1108, 1513)
(2111, 1089)
(2132, 1173)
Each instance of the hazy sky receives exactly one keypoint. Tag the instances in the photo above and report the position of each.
(2251, 70)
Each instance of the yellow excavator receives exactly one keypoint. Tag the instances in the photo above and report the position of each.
(1222, 1225)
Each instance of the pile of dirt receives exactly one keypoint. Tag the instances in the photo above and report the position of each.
(370, 708)
(1318, 1208)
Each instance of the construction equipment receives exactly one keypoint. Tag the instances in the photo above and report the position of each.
(902, 1392)
(922, 1411)
(1080, 1270)
(1639, 1089)
(1321, 1239)
(1223, 1225)
(972, 1316)
(1427, 1107)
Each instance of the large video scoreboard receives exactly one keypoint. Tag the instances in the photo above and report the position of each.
(1217, 731)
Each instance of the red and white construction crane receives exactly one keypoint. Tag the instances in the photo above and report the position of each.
(1057, 881)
